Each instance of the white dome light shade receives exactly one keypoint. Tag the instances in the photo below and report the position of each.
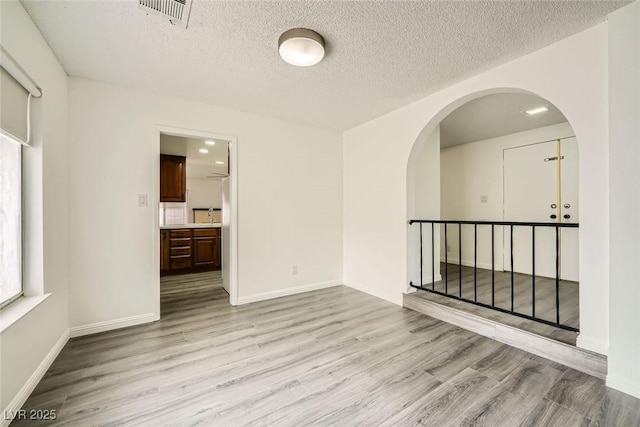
(301, 47)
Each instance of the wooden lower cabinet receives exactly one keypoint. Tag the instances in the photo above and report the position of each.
(206, 248)
(165, 251)
(190, 250)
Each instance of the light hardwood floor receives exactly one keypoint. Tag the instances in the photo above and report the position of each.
(334, 357)
(545, 307)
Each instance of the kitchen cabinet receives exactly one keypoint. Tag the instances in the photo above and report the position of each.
(187, 250)
(164, 251)
(173, 178)
(206, 248)
(180, 256)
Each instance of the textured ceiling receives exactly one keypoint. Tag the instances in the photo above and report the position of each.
(380, 55)
(495, 115)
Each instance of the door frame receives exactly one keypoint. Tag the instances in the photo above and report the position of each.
(233, 208)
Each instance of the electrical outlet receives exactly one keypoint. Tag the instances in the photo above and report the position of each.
(294, 269)
(484, 199)
(142, 200)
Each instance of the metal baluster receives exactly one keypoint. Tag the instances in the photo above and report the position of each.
(557, 275)
(533, 271)
(460, 260)
(493, 269)
(475, 262)
(446, 260)
(511, 233)
(433, 258)
(421, 280)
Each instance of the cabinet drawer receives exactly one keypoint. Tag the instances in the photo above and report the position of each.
(181, 233)
(180, 262)
(206, 232)
(183, 250)
(182, 241)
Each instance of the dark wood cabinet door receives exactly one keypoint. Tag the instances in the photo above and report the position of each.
(207, 248)
(173, 178)
(203, 251)
(165, 251)
(217, 252)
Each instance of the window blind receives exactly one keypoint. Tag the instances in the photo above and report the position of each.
(16, 89)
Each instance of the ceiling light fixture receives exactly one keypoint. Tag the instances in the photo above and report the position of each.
(203, 150)
(219, 163)
(537, 110)
(301, 47)
(209, 142)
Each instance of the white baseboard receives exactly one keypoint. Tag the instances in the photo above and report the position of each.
(470, 263)
(287, 291)
(438, 277)
(94, 328)
(395, 298)
(21, 397)
(624, 385)
(592, 344)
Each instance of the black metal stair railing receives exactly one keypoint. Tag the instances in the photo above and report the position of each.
(492, 305)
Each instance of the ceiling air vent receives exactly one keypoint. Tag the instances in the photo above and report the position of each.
(176, 11)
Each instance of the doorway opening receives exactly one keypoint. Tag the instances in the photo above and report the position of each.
(496, 213)
(195, 234)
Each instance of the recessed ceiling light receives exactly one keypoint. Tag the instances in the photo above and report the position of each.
(301, 47)
(203, 150)
(209, 142)
(536, 110)
(219, 163)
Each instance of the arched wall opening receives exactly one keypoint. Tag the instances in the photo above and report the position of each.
(426, 190)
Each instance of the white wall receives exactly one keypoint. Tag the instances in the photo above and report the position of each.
(424, 205)
(572, 74)
(289, 202)
(471, 170)
(30, 344)
(624, 134)
(203, 193)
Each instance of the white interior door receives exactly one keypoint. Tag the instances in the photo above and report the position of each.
(569, 209)
(226, 233)
(531, 195)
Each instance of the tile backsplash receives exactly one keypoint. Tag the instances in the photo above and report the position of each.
(173, 213)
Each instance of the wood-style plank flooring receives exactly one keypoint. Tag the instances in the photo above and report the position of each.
(545, 292)
(332, 357)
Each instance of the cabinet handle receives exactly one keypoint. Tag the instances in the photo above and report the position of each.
(567, 216)
(553, 216)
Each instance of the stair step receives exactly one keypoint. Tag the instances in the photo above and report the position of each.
(576, 358)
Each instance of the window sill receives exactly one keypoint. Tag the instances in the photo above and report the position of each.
(18, 310)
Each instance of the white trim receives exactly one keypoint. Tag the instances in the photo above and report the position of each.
(18, 309)
(592, 344)
(233, 226)
(624, 385)
(109, 325)
(467, 263)
(392, 297)
(437, 278)
(288, 291)
(23, 394)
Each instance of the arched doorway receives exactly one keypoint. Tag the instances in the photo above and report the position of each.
(493, 179)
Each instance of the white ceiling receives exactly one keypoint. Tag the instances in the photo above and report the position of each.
(199, 165)
(380, 55)
(495, 115)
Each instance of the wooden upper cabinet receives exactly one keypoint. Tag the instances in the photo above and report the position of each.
(173, 178)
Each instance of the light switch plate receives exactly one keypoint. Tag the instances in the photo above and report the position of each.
(142, 200)
(484, 199)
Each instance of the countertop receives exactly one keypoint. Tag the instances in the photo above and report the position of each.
(198, 225)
